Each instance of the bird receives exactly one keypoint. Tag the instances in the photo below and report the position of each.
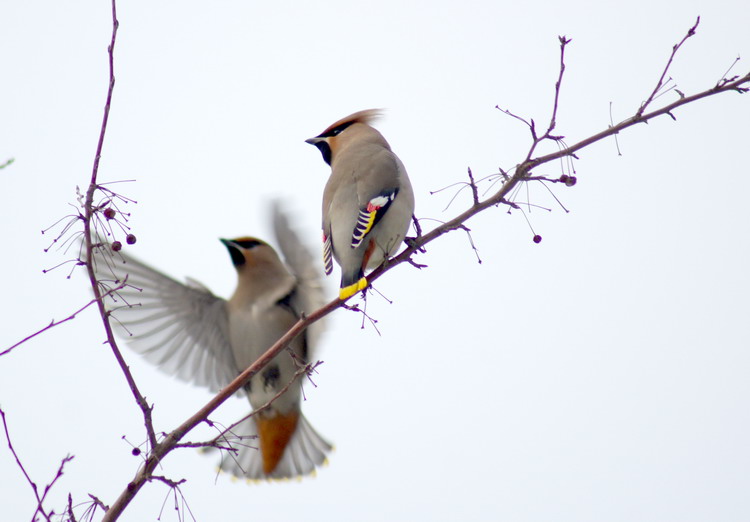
(368, 201)
(198, 337)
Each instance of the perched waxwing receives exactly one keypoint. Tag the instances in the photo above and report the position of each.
(190, 333)
(368, 200)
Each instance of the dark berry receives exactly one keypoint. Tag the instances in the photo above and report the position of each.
(116, 246)
(109, 213)
(570, 181)
(136, 452)
(537, 238)
(130, 239)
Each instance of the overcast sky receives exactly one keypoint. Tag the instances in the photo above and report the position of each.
(599, 375)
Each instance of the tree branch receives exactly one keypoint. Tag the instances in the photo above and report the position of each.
(39, 499)
(415, 245)
(89, 210)
(304, 370)
(660, 83)
(522, 173)
(53, 323)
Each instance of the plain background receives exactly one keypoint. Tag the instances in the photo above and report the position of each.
(599, 375)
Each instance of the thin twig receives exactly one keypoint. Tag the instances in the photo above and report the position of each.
(39, 499)
(304, 370)
(89, 240)
(510, 182)
(472, 183)
(553, 119)
(660, 83)
(69, 508)
(54, 323)
(612, 123)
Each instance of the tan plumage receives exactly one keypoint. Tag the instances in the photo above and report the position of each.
(188, 332)
(368, 200)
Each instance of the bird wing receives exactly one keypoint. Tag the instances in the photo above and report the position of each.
(370, 213)
(377, 187)
(328, 194)
(327, 253)
(309, 295)
(182, 329)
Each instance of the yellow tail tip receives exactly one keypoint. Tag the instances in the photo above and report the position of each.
(348, 291)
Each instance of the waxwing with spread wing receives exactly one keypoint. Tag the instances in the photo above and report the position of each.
(188, 332)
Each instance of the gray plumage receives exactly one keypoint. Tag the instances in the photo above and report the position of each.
(368, 201)
(200, 338)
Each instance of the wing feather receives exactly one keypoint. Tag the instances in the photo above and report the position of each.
(182, 329)
(309, 295)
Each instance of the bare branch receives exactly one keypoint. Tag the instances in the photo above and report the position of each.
(39, 499)
(473, 185)
(502, 196)
(612, 123)
(71, 516)
(523, 170)
(510, 182)
(736, 85)
(419, 266)
(536, 139)
(54, 323)
(98, 503)
(174, 488)
(304, 370)
(363, 310)
(553, 120)
(529, 125)
(169, 482)
(89, 211)
(172, 439)
(660, 83)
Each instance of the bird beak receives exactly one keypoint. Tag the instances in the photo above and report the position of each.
(238, 258)
(322, 145)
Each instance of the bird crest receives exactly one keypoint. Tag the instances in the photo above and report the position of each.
(367, 116)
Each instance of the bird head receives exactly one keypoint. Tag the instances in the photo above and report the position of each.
(260, 271)
(250, 252)
(345, 131)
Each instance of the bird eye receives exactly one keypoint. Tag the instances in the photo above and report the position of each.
(337, 130)
(248, 243)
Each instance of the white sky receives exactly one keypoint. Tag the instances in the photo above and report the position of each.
(599, 375)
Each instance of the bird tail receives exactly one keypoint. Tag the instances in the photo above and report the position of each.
(348, 288)
(354, 280)
(305, 451)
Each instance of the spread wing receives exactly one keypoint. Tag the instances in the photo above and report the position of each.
(182, 329)
(309, 295)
